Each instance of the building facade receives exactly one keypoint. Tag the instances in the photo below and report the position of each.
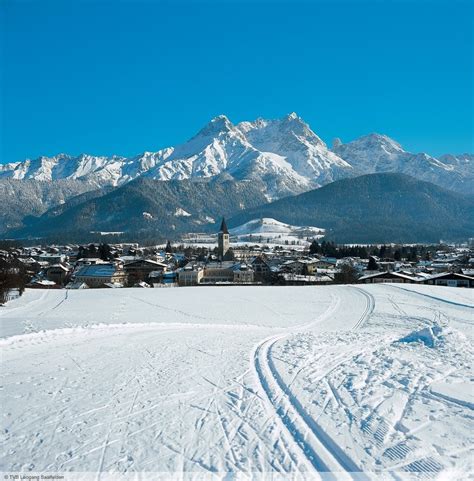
(100, 274)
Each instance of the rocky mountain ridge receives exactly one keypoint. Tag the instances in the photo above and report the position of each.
(284, 154)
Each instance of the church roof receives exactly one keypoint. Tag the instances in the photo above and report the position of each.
(223, 228)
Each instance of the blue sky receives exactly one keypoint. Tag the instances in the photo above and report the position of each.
(124, 77)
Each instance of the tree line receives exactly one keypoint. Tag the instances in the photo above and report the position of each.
(13, 277)
(397, 253)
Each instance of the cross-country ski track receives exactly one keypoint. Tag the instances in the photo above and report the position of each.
(331, 382)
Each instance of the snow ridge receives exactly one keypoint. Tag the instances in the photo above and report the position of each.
(284, 154)
(375, 153)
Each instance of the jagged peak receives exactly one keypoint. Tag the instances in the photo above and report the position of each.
(337, 142)
(218, 124)
(221, 120)
(292, 116)
(61, 155)
(375, 138)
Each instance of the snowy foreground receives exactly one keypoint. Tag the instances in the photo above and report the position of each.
(334, 382)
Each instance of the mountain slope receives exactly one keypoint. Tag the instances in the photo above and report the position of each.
(148, 206)
(21, 198)
(267, 228)
(377, 153)
(376, 208)
(293, 139)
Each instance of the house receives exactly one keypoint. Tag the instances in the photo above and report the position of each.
(243, 274)
(98, 275)
(161, 278)
(140, 269)
(325, 263)
(86, 261)
(450, 279)
(52, 258)
(218, 272)
(57, 273)
(228, 272)
(262, 270)
(190, 275)
(303, 267)
(386, 277)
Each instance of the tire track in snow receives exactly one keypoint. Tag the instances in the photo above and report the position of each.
(315, 447)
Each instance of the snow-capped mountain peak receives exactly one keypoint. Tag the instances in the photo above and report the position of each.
(216, 126)
(375, 153)
(285, 155)
(379, 141)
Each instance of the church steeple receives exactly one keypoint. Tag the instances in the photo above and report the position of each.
(223, 228)
(223, 240)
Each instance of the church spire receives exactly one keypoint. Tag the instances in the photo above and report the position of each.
(223, 241)
(223, 228)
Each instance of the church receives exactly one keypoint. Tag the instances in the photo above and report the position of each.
(220, 271)
(223, 240)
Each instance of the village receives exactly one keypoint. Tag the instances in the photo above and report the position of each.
(131, 265)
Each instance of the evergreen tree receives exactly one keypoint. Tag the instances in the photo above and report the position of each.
(104, 252)
(372, 266)
(347, 275)
(229, 255)
(314, 247)
(413, 255)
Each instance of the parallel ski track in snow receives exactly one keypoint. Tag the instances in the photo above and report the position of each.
(315, 446)
(440, 299)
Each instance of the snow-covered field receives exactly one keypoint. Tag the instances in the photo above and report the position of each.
(273, 231)
(371, 382)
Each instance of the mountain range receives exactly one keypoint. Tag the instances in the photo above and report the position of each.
(146, 207)
(223, 170)
(379, 208)
(383, 207)
(285, 154)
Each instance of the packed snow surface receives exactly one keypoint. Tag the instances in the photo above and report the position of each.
(293, 381)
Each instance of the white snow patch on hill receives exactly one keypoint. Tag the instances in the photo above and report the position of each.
(271, 229)
(181, 213)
